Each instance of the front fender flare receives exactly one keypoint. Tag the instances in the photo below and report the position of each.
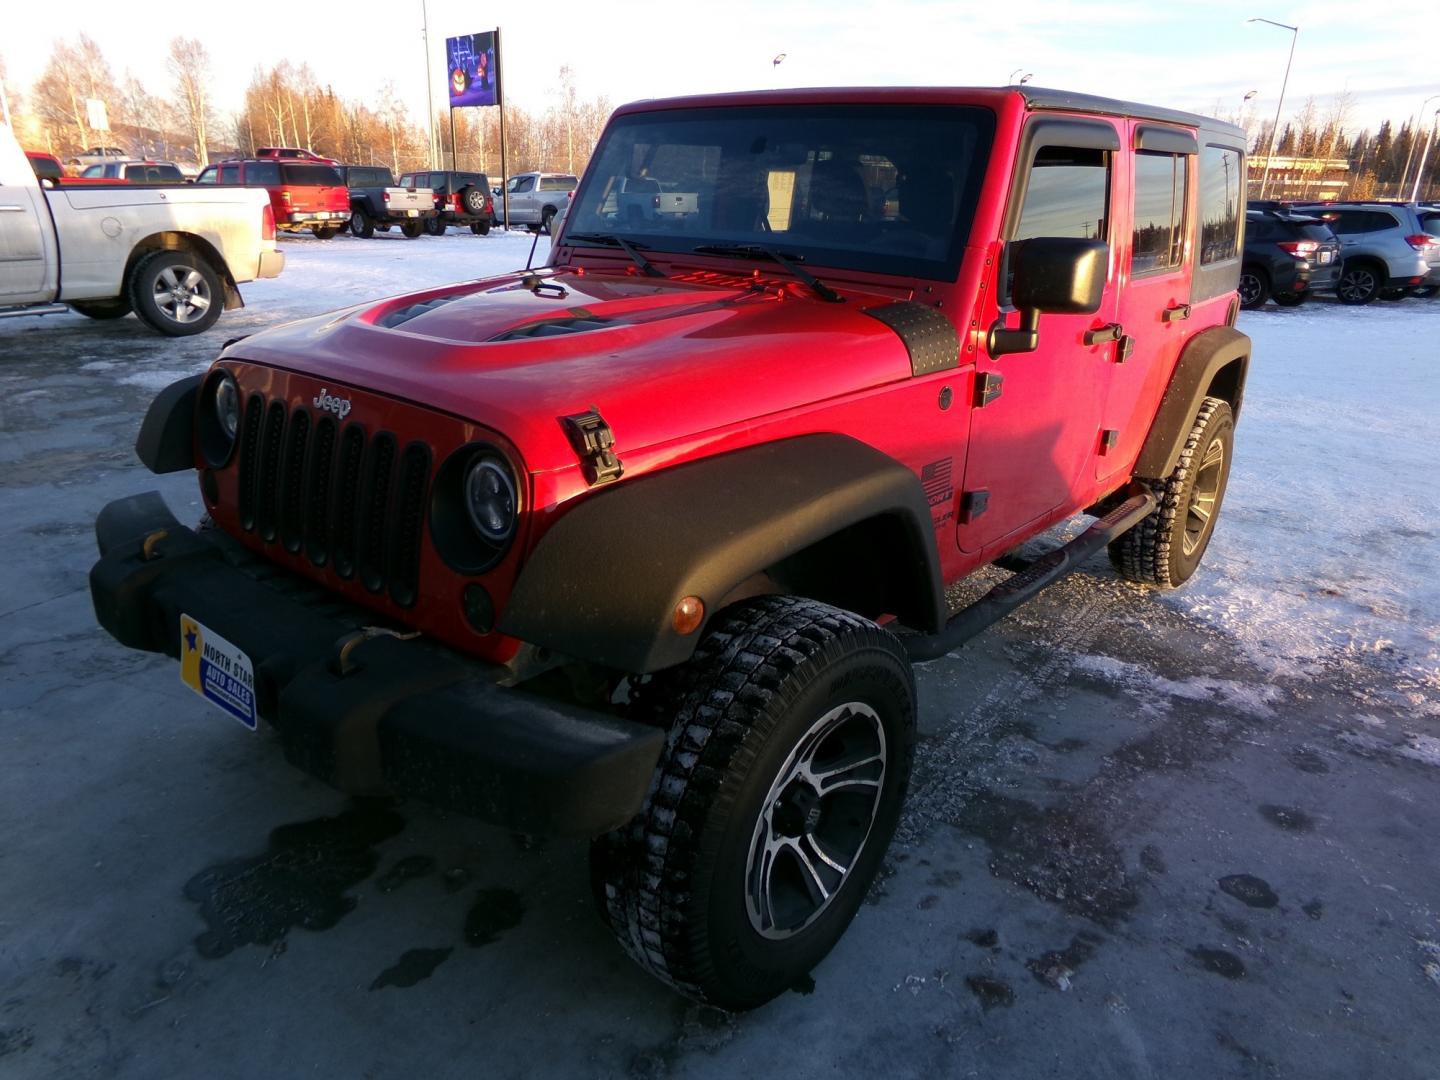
(602, 584)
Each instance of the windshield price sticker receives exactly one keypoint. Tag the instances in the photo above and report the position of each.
(218, 671)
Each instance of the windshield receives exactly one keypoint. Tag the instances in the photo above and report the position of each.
(890, 189)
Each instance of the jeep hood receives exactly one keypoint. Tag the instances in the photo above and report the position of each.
(662, 359)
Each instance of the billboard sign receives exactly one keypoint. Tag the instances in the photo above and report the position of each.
(470, 59)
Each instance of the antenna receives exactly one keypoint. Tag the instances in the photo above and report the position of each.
(533, 244)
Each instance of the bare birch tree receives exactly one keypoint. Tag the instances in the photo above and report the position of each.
(189, 65)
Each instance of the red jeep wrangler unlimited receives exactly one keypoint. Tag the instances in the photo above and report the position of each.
(642, 545)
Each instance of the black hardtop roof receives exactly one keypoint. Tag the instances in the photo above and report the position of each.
(1035, 98)
(1039, 97)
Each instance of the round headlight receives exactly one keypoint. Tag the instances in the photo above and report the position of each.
(227, 405)
(490, 498)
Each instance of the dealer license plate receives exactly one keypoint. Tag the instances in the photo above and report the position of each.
(217, 670)
(1325, 257)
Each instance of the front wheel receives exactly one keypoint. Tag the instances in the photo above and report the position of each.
(176, 292)
(1165, 548)
(791, 739)
(1254, 288)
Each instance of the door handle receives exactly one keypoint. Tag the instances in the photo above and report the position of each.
(1175, 314)
(13, 209)
(1101, 334)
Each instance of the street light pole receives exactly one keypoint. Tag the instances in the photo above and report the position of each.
(1275, 131)
(1414, 134)
(429, 81)
(1420, 169)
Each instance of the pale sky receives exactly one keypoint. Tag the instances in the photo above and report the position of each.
(1183, 55)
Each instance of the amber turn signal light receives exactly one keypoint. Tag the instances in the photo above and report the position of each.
(689, 613)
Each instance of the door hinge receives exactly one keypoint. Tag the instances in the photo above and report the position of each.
(593, 440)
(1108, 438)
(973, 504)
(987, 388)
(1124, 348)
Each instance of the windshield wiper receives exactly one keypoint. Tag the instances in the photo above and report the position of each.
(789, 260)
(630, 248)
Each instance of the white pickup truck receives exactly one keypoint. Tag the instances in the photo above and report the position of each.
(174, 254)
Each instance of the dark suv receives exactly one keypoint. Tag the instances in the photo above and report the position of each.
(461, 198)
(1288, 256)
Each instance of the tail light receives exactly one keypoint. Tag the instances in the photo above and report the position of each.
(655, 202)
(385, 195)
(1421, 241)
(1300, 248)
(267, 222)
(457, 202)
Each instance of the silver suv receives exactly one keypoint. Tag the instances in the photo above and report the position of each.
(536, 197)
(1388, 250)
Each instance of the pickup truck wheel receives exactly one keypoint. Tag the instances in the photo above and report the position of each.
(1254, 288)
(325, 232)
(1166, 547)
(480, 228)
(1359, 283)
(103, 309)
(360, 224)
(435, 226)
(411, 229)
(791, 740)
(176, 292)
(547, 219)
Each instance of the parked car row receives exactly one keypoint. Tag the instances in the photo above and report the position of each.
(1358, 251)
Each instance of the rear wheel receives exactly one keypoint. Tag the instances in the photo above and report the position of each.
(361, 224)
(1359, 283)
(176, 292)
(791, 738)
(325, 232)
(480, 228)
(547, 219)
(1290, 299)
(435, 226)
(1254, 287)
(1165, 548)
(103, 309)
(411, 229)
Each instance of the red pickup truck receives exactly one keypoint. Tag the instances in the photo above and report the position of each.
(304, 194)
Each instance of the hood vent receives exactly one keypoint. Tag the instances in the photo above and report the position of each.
(405, 314)
(555, 328)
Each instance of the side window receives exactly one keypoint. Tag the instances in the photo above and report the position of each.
(1158, 242)
(229, 174)
(523, 184)
(1068, 194)
(263, 173)
(1222, 202)
(207, 176)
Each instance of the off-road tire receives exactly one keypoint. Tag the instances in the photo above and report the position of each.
(412, 229)
(480, 228)
(103, 309)
(435, 226)
(1254, 288)
(362, 226)
(1156, 551)
(1359, 282)
(1290, 299)
(672, 884)
(158, 266)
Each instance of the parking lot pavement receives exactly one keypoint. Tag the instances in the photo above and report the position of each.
(1148, 838)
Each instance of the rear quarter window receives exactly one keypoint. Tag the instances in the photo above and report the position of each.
(1222, 203)
(558, 183)
(263, 173)
(310, 175)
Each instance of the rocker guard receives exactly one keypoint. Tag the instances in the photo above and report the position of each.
(407, 718)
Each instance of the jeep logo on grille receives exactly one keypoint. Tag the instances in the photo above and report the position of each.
(328, 403)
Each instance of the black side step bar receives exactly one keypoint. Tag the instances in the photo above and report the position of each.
(1016, 589)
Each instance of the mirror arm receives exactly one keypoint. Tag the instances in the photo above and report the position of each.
(1003, 340)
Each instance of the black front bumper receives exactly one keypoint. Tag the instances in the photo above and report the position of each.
(406, 717)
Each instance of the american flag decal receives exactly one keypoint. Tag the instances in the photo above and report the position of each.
(935, 479)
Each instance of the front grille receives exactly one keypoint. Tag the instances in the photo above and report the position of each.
(350, 501)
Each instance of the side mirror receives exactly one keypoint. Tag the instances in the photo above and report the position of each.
(1056, 275)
